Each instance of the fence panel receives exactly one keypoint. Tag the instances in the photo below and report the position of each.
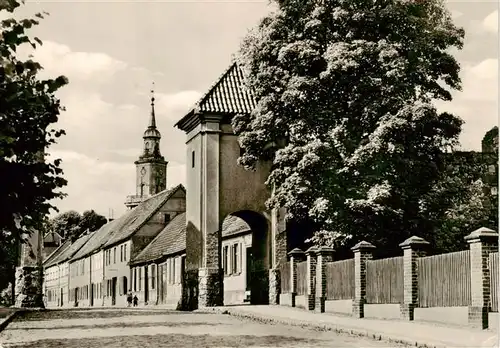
(340, 280)
(444, 280)
(493, 266)
(384, 281)
(302, 278)
(285, 278)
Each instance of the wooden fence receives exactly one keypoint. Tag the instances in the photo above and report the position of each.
(285, 278)
(302, 278)
(445, 280)
(493, 267)
(340, 280)
(384, 281)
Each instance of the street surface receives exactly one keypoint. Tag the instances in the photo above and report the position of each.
(140, 328)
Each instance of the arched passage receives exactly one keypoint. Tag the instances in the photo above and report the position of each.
(246, 257)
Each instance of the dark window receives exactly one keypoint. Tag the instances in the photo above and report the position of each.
(135, 279)
(114, 255)
(225, 258)
(166, 218)
(235, 258)
(192, 159)
(153, 276)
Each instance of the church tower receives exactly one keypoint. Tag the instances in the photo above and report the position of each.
(151, 167)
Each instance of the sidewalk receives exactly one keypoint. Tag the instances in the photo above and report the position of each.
(412, 333)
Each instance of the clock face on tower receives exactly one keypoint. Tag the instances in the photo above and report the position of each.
(143, 171)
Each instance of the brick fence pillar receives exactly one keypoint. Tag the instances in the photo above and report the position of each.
(482, 242)
(362, 253)
(413, 248)
(311, 277)
(324, 255)
(296, 255)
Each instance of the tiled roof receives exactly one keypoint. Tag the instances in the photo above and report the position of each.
(233, 225)
(228, 95)
(71, 250)
(122, 228)
(171, 240)
(49, 260)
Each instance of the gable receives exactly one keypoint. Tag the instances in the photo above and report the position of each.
(227, 96)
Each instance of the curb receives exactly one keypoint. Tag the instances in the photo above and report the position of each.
(7, 320)
(322, 327)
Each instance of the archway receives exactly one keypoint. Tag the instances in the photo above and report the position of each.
(246, 257)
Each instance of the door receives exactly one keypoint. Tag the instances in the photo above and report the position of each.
(113, 291)
(62, 300)
(162, 297)
(249, 269)
(146, 283)
(91, 294)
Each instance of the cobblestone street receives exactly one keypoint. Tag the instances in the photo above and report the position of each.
(130, 328)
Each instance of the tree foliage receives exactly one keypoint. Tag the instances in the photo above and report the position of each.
(28, 110)
(344, 92)
(71, 224)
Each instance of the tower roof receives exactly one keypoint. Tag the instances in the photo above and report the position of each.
(227, 96)
(151, 131)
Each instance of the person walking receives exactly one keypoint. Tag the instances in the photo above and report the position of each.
(136, 300)
(129, 299)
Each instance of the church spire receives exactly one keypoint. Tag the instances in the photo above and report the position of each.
(152, 119)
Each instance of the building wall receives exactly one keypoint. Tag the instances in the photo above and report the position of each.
(240, 189)
(193, 200)
(164, 282)
(116, 260)
(79, 285)
(96, 279)
(52, 278)
(236, 289)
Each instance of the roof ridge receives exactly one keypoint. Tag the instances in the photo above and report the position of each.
(169, 193)
(51, 255)
(158, 236)
(216, 83)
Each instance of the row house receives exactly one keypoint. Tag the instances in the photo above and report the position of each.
(57, 272)
(99, 271)
(157, 272)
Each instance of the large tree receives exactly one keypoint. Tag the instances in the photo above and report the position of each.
(344, 92)
(71, 224)
(28, 111)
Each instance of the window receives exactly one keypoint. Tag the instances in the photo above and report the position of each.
(225, 260)
(166, 218)
(114, 255)
(121, 253)
(153, 276)
(173, 270)
(135, 279)
(125, 252)
(234, 267)
(192, 159)
(125, 285)
(140, 278)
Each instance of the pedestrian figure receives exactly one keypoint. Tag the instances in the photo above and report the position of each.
(136, 300)
(129, 299)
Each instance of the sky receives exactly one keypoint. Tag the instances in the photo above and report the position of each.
(112, 51)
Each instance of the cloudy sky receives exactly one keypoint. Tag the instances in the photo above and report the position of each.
(111, 51)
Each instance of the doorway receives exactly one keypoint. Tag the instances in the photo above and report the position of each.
(146, 288)
(113, 291)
